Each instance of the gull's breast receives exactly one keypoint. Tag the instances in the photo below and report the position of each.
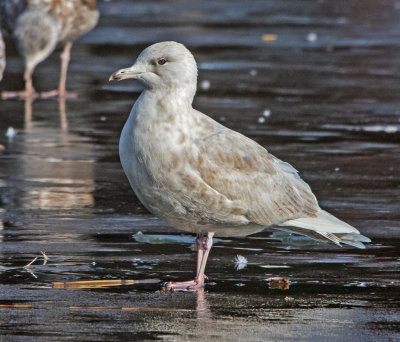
(150, 153)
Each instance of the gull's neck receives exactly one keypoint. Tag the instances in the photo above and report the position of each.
(159, 104)
(183, 93)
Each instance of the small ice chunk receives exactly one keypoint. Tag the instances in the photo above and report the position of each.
(391, 129)
(267, 113)
(163, 238)
(11, 133)
(53, 160)
(261, 119)
(312, 37)
(253, 72)
(205, 85)
(381, 128)
(103, 118)
(337, 169)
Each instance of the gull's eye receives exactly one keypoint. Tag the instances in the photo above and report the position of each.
(162, 61)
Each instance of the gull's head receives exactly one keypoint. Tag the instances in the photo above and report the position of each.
(162, 65)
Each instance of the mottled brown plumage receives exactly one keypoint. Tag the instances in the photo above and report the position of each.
(41, 27)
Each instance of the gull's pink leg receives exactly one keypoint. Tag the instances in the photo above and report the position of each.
(65, 58)
(28, 93)
(62, 91)
(203, 250)
(200, 250)
(207, 247)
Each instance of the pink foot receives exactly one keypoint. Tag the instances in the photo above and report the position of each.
(57, 93)
(185, 285)
(21, 95)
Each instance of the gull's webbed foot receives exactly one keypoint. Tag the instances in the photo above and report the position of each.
(188, 285)
(59, 94)
(20, 95)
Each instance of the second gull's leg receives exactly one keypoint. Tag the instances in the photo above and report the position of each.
(62, 91)
(28, 93)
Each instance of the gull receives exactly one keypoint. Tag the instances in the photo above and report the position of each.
(38, 27)
(202, 177)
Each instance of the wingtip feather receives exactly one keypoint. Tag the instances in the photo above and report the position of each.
(329, 227)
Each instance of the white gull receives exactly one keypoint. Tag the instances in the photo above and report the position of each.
(202, 177)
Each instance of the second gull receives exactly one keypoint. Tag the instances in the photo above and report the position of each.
(38, 27)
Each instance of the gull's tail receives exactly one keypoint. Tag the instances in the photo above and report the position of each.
(326, 227)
